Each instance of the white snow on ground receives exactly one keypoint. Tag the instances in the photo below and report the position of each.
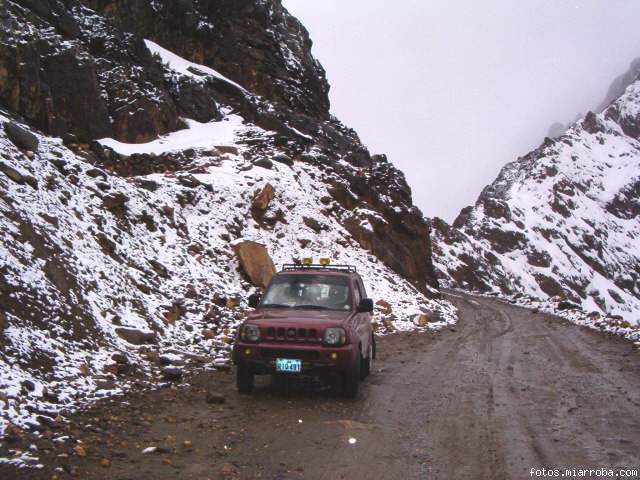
(198, 135)
(190, 241)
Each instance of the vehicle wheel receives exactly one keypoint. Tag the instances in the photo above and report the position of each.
(352, 381)
(244, 379)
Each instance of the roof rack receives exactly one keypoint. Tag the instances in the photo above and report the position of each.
(336, 268)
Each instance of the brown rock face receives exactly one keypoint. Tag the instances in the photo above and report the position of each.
(395, 231)
(97, 85)
(53, 86)
(255, 262)
(250, 42)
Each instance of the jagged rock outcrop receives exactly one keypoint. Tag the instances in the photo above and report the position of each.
(561, 222)
(256, 44)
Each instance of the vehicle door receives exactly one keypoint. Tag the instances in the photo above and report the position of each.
(363, 322)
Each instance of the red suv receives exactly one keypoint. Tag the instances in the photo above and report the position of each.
(311, 320)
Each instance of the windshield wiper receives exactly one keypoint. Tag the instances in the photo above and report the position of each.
(311, 307)
(274, 305)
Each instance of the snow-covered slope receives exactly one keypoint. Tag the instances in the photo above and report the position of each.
(562, 222)
(85, 253)
(116, 244)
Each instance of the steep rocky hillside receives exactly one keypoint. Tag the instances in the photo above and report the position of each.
(560, 223)
(140, 150)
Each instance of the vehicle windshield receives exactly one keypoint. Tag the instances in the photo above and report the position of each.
(311, 292)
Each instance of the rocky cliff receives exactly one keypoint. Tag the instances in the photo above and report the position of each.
(561, 222)
(142, 145)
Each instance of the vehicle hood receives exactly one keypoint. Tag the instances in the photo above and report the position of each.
(284, 316)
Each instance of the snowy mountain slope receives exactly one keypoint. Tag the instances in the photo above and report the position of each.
(561, 222)
(77, 265)
(74, 73)
(116, 250)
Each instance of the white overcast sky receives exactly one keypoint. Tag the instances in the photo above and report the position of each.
(452, 90)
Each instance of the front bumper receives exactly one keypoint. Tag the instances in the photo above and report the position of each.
(316, 359)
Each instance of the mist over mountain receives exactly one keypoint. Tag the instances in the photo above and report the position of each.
(561, 222)
(616, 89)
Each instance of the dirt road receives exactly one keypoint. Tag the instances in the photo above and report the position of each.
(505, 391)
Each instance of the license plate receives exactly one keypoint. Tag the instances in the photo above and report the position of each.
(290, 365)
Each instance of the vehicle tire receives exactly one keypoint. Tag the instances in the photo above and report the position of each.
(352, 380)
(244, 379)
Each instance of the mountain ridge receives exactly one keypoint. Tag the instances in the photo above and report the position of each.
(560, 222)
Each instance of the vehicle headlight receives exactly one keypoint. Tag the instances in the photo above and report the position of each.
(335, 336)
(251, 333)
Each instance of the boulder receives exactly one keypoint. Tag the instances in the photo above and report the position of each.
(174, 313)
(114, 200)
(567, 305)
(264, 163)
(21, 137)
(17, 176)
(255, 262)
(96, 172)
(120, 358)
(263, 197)
(135, 336)
(594, 315)
(208, 333)
(147, 184)
(159, 268)
(172, 373)
(420, 320)
(28, 386)
(282, 158)
(384, 306)
(189, 181)
(314, 224)
(171, 359)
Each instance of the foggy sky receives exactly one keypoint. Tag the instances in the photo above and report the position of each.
(453, 90)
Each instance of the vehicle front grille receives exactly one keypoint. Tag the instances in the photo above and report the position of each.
(292, 334)
(309, 355)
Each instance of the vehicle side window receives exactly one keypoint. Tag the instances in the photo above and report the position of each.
(356, 292)
(363, 292)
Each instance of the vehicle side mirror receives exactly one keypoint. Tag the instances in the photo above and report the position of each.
(365, 306)
(254, 300)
